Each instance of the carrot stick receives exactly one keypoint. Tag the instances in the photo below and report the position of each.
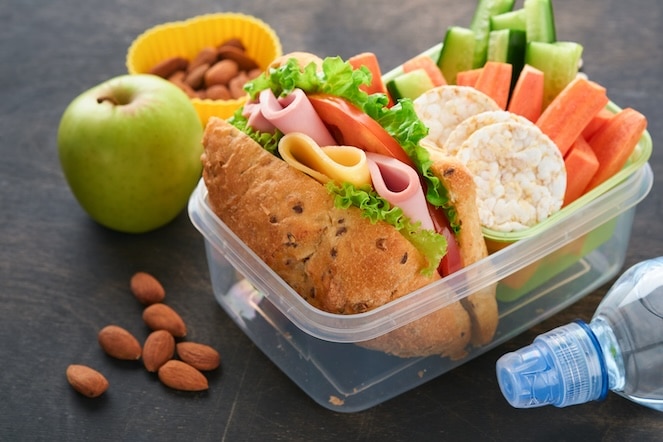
(427, 64)
(495, 81)
(370, 60)
(597, 122)
(468, 78)
(614, 143)
(569, 113)
(527, 96)
(581, 165)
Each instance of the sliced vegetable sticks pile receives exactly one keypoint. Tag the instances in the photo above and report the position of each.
(513, 56)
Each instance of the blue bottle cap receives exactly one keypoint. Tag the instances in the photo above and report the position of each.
(562, 367)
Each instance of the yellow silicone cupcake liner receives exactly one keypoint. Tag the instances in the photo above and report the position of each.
(186, 38)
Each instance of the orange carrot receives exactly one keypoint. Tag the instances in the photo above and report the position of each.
(427, 64)
(615, 142)
(597, 122)
(495, 81)
(370, 60)
(527, 96)
(468, 78)
(571, 111)
(581, 165)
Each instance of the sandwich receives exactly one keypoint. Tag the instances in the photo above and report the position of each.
(332, 189)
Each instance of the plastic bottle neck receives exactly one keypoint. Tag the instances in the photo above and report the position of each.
(612, 356)
(562, 367)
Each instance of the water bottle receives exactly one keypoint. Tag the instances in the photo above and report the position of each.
(620, 350)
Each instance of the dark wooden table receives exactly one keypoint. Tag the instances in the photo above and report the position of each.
(62, 277)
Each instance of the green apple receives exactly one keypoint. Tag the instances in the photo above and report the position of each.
(130, 151)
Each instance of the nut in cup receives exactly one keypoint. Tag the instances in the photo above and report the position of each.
(187, 38)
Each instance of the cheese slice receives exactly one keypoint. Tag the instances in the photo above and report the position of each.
(337, 163)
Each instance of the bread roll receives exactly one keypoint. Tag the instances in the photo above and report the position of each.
(336, 259)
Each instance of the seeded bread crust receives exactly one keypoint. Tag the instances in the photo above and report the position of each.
(336, 259)
(481, 305)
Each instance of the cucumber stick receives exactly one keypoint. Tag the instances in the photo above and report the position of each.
(509, 20)
(508, 46)
(540, 21)
(457, 52)
(559, 62)
(409, 85)
(480, 25)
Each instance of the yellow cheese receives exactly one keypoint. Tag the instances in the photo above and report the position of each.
(337, 163)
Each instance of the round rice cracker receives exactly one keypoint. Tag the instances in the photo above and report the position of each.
(443, 108)
(519, 173)
(471, 124)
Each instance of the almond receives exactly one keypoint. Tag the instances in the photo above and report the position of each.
(159, 348)
(200, 356)
(234, 42)
(206, 55)
(167, 67)
(177, 76)
(196, 76)
(160, 316)
(86, 380)
(119, 343)
(182, 376)
(188, 90)
(146, 288)
(221, 73)
(236, 85)
(244, 62)
(218, 92)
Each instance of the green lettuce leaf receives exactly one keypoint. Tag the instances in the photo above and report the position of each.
(336, 77)
(268, 141)
(431, 244)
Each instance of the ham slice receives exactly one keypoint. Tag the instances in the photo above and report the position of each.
(293, 113)
(399, 184)
(252, 112)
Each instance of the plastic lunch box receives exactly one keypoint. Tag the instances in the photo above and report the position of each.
(539, 272)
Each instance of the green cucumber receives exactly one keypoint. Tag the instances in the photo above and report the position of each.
(409, 85)
(480, 25)
(509, 20)
(457, 53)
(559, 62)
(508, 46)
(540, 21)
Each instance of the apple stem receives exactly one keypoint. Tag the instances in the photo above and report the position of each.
(112, 100)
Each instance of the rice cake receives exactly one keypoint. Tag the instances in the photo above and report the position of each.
(471, 124)
(443, 108)
(519, 173)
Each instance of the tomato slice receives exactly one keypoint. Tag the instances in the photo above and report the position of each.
(452, 261)
(350, 126)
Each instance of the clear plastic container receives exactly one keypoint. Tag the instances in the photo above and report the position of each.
(536, 273)
(317, 350)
